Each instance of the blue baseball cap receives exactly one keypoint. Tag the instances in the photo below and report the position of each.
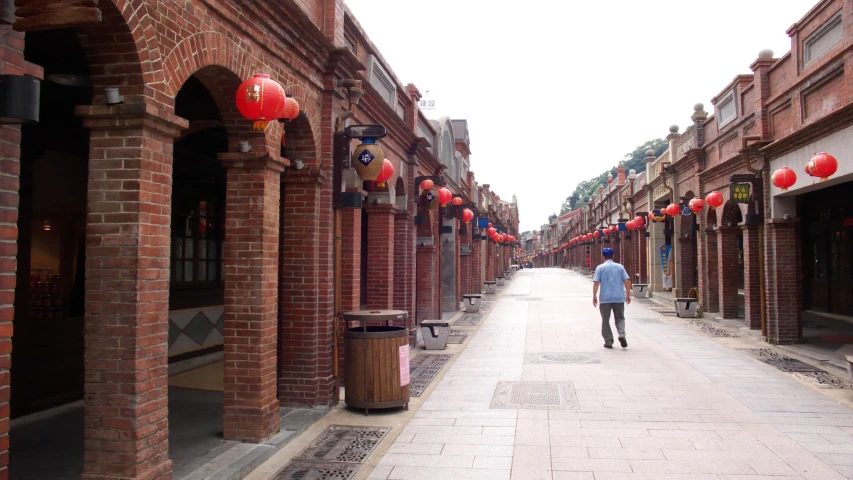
(607, 252)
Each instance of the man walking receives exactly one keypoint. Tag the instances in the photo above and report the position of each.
(611, 277)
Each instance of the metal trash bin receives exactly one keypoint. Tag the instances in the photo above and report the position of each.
(377, 360)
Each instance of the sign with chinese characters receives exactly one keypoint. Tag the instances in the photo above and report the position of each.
(666, 265)
(404, 365)
(740, 192)
(426, 102)
(365, 157)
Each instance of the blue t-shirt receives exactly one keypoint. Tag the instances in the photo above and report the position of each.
(610, 276)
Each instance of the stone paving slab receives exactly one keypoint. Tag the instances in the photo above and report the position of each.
(678, 403)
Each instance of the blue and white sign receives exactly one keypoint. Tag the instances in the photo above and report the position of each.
(430, 197)
(686, 211)
(365, 157)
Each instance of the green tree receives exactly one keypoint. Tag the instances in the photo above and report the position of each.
(634, 160)
(552, 217)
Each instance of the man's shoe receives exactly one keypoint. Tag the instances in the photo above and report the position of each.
(607, 345)
(624, 342)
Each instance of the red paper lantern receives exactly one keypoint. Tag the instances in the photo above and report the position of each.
(261, 100)
(510, 238)
(427, 184)
(290, 109)
(822, 165)
(457, 201)
(491, 231)
(671, 209)
(715, 199)
(640, 222)
(629, 224)
(467, 215)
(784, 178)
(696, 205)
(444, 196)
(386, 173)
(596, 234)
(490, 224)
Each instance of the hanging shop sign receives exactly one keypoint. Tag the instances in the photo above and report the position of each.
(666, 265)
(740, 192)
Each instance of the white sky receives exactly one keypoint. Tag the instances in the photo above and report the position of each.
(559, 90)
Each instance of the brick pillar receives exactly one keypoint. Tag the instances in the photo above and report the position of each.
(626, 245)
(784, 285)
(403, 267)
(711, 274)
(728, 270)
(427, 283)
(686, 262)
(350, 259)
(465, 263)
(490, 261)
(380, 255)
(458, 263)
(305, 291)
(643, 257)
(10, 172)
(251, 412)
(127, 292)
(751, 277)
(350, 274)
(476, 258)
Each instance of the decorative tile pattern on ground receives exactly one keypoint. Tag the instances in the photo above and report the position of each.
(468, 320)
(337, 453)
(780, 362)
(456, 336)
(711, 330)
(423, 370)
(535, 396)
(822, 380)
(562, 358)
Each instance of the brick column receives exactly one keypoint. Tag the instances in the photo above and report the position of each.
(728, 270)
(751, 278)
(10, 172)
(380, 255)
(710, 273)
(251, 310)
(350, 274)
(427, 283)
(626, 245)
(350, 259)
(127, 291)
(465, 263)
(305, 291)
(476, 259)
(643, 257)
(784, 282)
(490, 261)
(686, 262)
(403, 267)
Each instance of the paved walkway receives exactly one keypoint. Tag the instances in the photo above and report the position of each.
(677, 404)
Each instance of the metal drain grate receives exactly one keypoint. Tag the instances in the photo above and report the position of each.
(317, 471)
(648, 320)
(337, 453)
(562, 358)
(780, 362)
(712, 330)
(823, 380)
(470, 320)
(423, 369)
(456, 336)
(535, 396)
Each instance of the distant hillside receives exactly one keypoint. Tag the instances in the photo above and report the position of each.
(633, 160)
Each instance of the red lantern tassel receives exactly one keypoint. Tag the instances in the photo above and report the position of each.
(260, 125)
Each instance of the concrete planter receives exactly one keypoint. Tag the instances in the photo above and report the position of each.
(686, 307)
(435, 334)
(641, 290)
(472, 302)
(491, 287)
(500, 281)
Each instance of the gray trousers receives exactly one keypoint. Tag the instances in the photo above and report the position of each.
(619, 314)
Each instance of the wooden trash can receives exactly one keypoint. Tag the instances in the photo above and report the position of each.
(377, 360)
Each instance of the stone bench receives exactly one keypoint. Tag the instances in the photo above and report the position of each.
(686, 307)
(500, 280)
(435, 333)
(472, 302)
(491, 287)
(641, 290)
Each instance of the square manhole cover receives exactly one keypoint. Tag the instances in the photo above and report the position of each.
(423, 370)
(535, 396)
(562, 358)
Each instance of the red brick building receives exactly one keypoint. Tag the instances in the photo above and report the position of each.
(162, 229)
(779, 261)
